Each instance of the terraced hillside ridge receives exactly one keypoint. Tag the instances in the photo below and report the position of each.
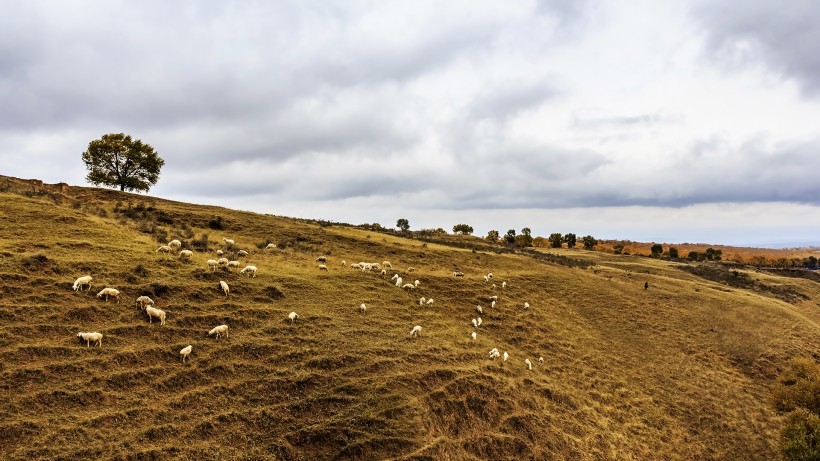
(679, 371)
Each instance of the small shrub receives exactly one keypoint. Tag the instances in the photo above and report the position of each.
(798, 386)
(159, 289)
(216, 223)
(200, 244)
(141, 271)
(800, 436)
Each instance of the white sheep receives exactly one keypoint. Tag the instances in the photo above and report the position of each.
(479, 309)
(229, 242)
(416, 283)
(503, 284)
(321, 259)
(175, 243)
(362, 308)
(479, 321)
(409, 286)
(222, 261)
(387, 264)
(164, 249)
(492, 304)
(394, 277)
(526, 305)
(494, 354)
(251, 271)
(293, 316)
(411, 269)
(416, 331)
(430, 301)
(475, 323)
(422, 300)
(219, 331)
(220, 252)
(223, 285)
(185, 352)
(153, 312)
(143, 301)
(112, 292)
(186, 254)
(398, 282)
(270, 246)
(323, 267)
(344, 263)
(506, 356)
(541, 360)
(493, 298)
(91, 338)
(242, 253)
(529, 364)
(458, 274)
(486, 279)
(383, 272)
(355, 266)
(474, 335)
(81, 282)
(212, 264)
(490, 275)
(493, 287)
(232, 265)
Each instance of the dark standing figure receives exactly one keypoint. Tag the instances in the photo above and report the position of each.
(645, 285)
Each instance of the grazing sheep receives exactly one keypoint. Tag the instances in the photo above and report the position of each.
(219, 331)
(158, 313)
(164, 249)
(486, 279)
(112, 292)
(82, 281)
(479, 321)
(492, 304)
(529, 364)
(185, 352)
(494, 354)
(223, 261)
(383, 272)
(229, 242)
(473, 334)
(322, 267)
(475, 323)
(479, 309)
(344, 263)
(362, 308)
(220, 252)
(175, 243)
(186, 254)
(91, 338)
(416, 331)
(541, 360)
(387, 264)
(430, 301)
(490, 275)
(395, 276)
(212, 264)
(416, 283)
(293, 316)
(503, 284)
(242, 253)
(458, 274)
(355, 266)
(223, 285)
(422, 300)
(409, 286)
(251, 270)
(232, 265)
(526, 305)
(398, 282)
(411, 269)
(270, 246)
(493, 287)
(321, 259)
(506, 356)
(143, 301)
(493, 298)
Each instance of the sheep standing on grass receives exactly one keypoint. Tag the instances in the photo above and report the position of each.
(362, 308)
(430, 302)
(422, 300)
(416, 331)
(529, 364)
(223, 285)
(91, 338)
(383, 272)
(152, 313)
(506, 356)
(526, 305)
(112, 292)
(164, 249)
(344, 263)
(185, 352)
(220, 252)
(186, 254)
(409, 286)
(293, 316)
(458, 274)
(222, 262)
(479, 309)
(232, 265)
(251, 271)
(81, 282)
(475, 323)
(143, 301)
(242, 253)
(219, 331)
(323, 267)
(541, 360)
(399, 282)
(492, 304)
(494, 354)
(387, 264)
(175, 243)
(473, 335)
(479, 322)
(503, 284)
(229, 242)
(416, 283)
(270, 246)
(321, 259)
(213, 264)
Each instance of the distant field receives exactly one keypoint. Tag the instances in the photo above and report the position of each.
(678, 371)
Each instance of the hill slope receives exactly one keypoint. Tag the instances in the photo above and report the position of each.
(678, 371)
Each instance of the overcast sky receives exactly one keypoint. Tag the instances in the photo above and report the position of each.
(673, 121)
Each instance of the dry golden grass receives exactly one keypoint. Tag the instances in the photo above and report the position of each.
(680, 371)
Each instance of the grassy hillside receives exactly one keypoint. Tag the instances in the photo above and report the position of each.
(680, 371)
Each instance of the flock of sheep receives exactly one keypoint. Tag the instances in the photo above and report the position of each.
(219, 331)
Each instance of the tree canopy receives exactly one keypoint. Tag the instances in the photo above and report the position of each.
(117, 160)
(462, 229)
(403, 224)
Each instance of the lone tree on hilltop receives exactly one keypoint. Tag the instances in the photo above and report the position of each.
(509, 237)
(403, 224)
(570, 239)
(656, 250)
(463, 229)
(493, 236)
(116, 160)
(589, 242)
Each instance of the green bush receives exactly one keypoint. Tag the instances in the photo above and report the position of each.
(798, 386)
(800, 436)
